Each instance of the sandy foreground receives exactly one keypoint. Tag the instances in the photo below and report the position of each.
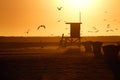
(52, 64)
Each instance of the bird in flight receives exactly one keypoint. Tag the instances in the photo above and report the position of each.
(59, 8)
(94, 28)
(108, 25)
(90, 31)
(105, 20)
(116, 28)
(27, 32)
(106, 12)
(110, 30)
(41, 26)
(59, 21)
(66, 28)
(107, 30)
(97, 31)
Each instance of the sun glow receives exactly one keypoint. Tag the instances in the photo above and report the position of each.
(78, 3)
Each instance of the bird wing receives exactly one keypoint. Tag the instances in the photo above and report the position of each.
(111, 30)
(107, 30)
(108, 24)
(59, 8)
(43, 26)
(38, 27)
(97, 31)
(58, 20)
(94, 28)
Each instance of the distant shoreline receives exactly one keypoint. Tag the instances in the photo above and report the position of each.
(57, 39)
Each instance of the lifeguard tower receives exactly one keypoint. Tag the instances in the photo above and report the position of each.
(74, 38)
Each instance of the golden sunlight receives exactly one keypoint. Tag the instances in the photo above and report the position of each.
(78, 3)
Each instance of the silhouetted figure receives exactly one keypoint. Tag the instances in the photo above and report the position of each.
(112, 58)
(88, 46)
(62, 43)
(97, 48)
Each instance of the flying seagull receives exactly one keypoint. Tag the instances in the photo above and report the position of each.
(59, 8)
(66, 28)
(41, 26)
(108, 25)
(111, 30)
(116, 28)
(106, 12)
(59, 21)
(97, 31)
(105, 20)
(90, 31)
(94, 28)
(27, 32)
(107, 30)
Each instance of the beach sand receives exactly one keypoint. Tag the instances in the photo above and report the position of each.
(53, 64)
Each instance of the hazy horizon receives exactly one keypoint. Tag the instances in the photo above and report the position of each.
(57, 39)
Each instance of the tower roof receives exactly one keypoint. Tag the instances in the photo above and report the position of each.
(74, 23)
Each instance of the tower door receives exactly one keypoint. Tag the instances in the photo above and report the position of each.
(75, 30)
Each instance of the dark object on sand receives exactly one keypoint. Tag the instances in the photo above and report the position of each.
(97, 48)
(88, 46)
(111, 56)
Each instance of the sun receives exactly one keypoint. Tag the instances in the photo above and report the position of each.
(77, 3)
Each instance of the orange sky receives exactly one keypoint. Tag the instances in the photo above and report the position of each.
(19, 16)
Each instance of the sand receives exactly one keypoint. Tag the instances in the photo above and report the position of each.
(35, 64)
